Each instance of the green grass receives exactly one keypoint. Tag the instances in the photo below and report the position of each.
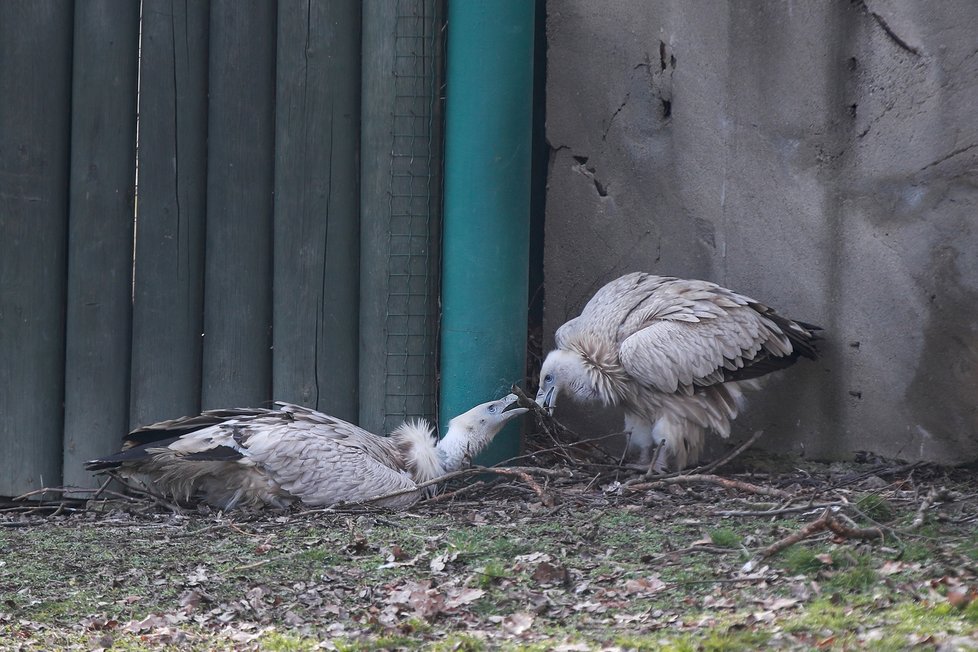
(801, 560)
(875, 507)
(855, 573)
(724, 538)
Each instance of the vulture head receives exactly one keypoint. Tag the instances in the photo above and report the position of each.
(470, 432)
(565, 372)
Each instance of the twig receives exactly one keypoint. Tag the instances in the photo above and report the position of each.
(925, 504)
(556, 431)
(739, 485)
(713, 466)
(838, 524)
(775, 512)
(843, 526)
(814, 527)
(716, 550)
(546, 499)
(54, 490)
(449, 495)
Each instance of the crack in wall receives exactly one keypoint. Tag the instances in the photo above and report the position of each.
(889, 30)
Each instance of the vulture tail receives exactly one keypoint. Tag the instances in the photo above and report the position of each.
(146, 451)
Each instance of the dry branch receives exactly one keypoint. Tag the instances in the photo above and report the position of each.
(713, 466)
(728, 483)
(925, 504)
(838, 524)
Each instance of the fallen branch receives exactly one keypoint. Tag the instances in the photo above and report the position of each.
(925, 504)
(842, 525)
(812, 528)
(738, 485)
(838, 524)
(776, 512)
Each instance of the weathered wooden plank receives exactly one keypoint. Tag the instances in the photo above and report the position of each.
(316, 278)
(399, 207)
(169, 269)
(100, 227)
(377, 111)
(237, 267)
(35, 84)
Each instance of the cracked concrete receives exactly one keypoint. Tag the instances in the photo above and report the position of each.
(821, 157)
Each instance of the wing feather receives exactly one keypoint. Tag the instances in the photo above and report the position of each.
(333, 462)
(686, 345)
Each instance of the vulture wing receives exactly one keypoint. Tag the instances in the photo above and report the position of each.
(322, 460)
(694, 333)
(612, 304)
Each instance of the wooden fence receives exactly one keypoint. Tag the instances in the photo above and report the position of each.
(267, 229)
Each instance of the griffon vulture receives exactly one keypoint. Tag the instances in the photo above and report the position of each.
(274, 457)
(675, 354)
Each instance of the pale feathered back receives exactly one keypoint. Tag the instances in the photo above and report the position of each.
(256, 457)
(676, 354)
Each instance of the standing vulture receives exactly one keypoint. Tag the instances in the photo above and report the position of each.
(675, 354)
(274, 457)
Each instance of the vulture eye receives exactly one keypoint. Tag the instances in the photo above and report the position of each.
(549, 378)
(492, 409)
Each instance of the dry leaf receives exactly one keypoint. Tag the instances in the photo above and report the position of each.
(465, 596)
(547, 573)
(518, 623)
(644, 585)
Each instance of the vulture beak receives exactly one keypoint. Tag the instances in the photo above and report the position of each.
(512, 403)
(548, 400)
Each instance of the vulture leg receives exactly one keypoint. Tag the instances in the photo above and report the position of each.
(642, 438)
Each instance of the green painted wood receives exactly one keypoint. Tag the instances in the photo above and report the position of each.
(237, 277)
(488, 138)
(35, 84)
(315, 327)
(169, 268)
(101, 192)
(400, 210)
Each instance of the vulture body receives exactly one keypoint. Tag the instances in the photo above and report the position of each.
(275, 457)
(675, 354)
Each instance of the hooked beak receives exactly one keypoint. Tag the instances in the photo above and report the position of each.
(548, 400)
(512, 403)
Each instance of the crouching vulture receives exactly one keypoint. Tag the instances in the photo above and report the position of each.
(274, 457)
(676, 355)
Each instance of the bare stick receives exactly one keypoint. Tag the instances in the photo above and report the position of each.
(713, 466)
(838, 524)
(738, 485)
(449, 495)
(775, 512)
(925, 504)
(816, 526)
(843, 526)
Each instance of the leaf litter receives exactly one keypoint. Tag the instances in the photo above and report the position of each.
(571, 564)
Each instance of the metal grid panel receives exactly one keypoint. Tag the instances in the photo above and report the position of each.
(413, 262)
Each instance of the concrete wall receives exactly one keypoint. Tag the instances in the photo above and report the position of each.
(821, 157)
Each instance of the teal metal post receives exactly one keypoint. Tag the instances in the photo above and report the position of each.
(487, 207)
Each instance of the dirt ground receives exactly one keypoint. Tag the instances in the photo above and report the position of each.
(530, 560)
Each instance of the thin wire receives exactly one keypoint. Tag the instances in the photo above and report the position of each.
(410, 341)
